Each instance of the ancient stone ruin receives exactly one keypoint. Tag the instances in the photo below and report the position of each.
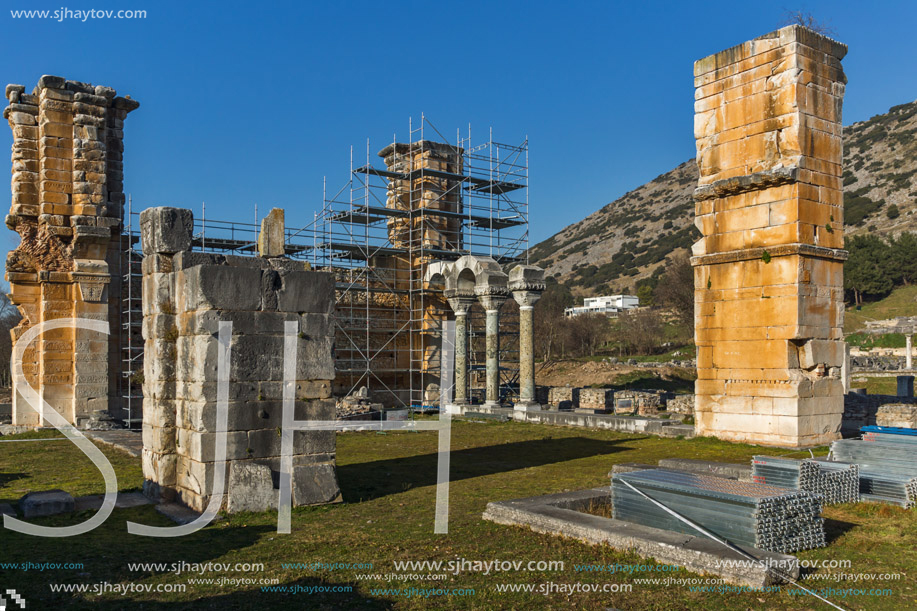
(769, 268)
(481, 279)
(67, 205)
(186, 295)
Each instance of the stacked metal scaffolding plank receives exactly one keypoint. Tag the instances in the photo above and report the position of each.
(378, 233)
(744, 513)
(834, 482)
(888, 468)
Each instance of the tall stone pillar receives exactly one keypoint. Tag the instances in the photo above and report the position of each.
(768, 272)
(460, 303)
(422, 181)
(491, 302)
(67, 201)
(526, 282)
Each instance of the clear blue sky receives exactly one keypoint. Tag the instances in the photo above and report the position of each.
(245, 103)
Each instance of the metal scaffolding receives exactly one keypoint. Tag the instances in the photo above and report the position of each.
(378, 233)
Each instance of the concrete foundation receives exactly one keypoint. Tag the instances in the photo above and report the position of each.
(564, 515)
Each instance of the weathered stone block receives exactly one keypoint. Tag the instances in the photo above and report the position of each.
(315, 485)
(166, 230)
(206, 287)
(251, 488)
(48, 503)
(306, 292)
(271, 239)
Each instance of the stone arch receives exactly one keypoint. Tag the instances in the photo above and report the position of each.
(438, 276)
(479, 274)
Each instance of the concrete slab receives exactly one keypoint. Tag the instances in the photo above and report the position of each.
(561, 514)
(626, 424)
(177, 512)
(628, 467)
(47, 503)
(122, 439)
(707, 467)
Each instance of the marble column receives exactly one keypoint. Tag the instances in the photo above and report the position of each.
(526, 282)
(460, 304)
(909, 352)
(526, 301)
(491, 302)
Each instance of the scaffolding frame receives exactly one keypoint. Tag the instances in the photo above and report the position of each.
(388, 319)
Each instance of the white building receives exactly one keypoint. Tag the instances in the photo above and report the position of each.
(606, 304)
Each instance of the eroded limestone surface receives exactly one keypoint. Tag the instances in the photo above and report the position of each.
(769, 268)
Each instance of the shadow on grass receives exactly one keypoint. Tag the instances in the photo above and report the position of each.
(369, 480)
(106, 552)
(835, 528)
(6, 478)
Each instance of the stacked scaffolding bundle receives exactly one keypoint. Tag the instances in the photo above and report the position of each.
(888, 469)
(907, 438)
(744, 513)
(834, 482)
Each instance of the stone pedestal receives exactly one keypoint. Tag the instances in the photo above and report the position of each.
(769, 268)
(67, 203)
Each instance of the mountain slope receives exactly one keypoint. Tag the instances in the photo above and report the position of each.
(628, 239)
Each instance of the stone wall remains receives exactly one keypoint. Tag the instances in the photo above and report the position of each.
(185, 296)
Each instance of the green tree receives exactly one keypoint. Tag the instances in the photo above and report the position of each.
(868, 268)
(549, 317)
(676, 287)
(892, 212)
(904, 259)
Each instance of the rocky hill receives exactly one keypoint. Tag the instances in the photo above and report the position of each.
(628, 239)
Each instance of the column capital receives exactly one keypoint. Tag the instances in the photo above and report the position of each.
(526, 298)
(459, 301)
(491, 299)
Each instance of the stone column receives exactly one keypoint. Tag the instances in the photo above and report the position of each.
(460, 304)
(526, 283)
(491, 302)
(67, 200)
(768, 271)
(909, 352)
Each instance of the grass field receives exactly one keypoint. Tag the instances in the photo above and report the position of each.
(388, 487)
(876, 385)
(901, 302)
